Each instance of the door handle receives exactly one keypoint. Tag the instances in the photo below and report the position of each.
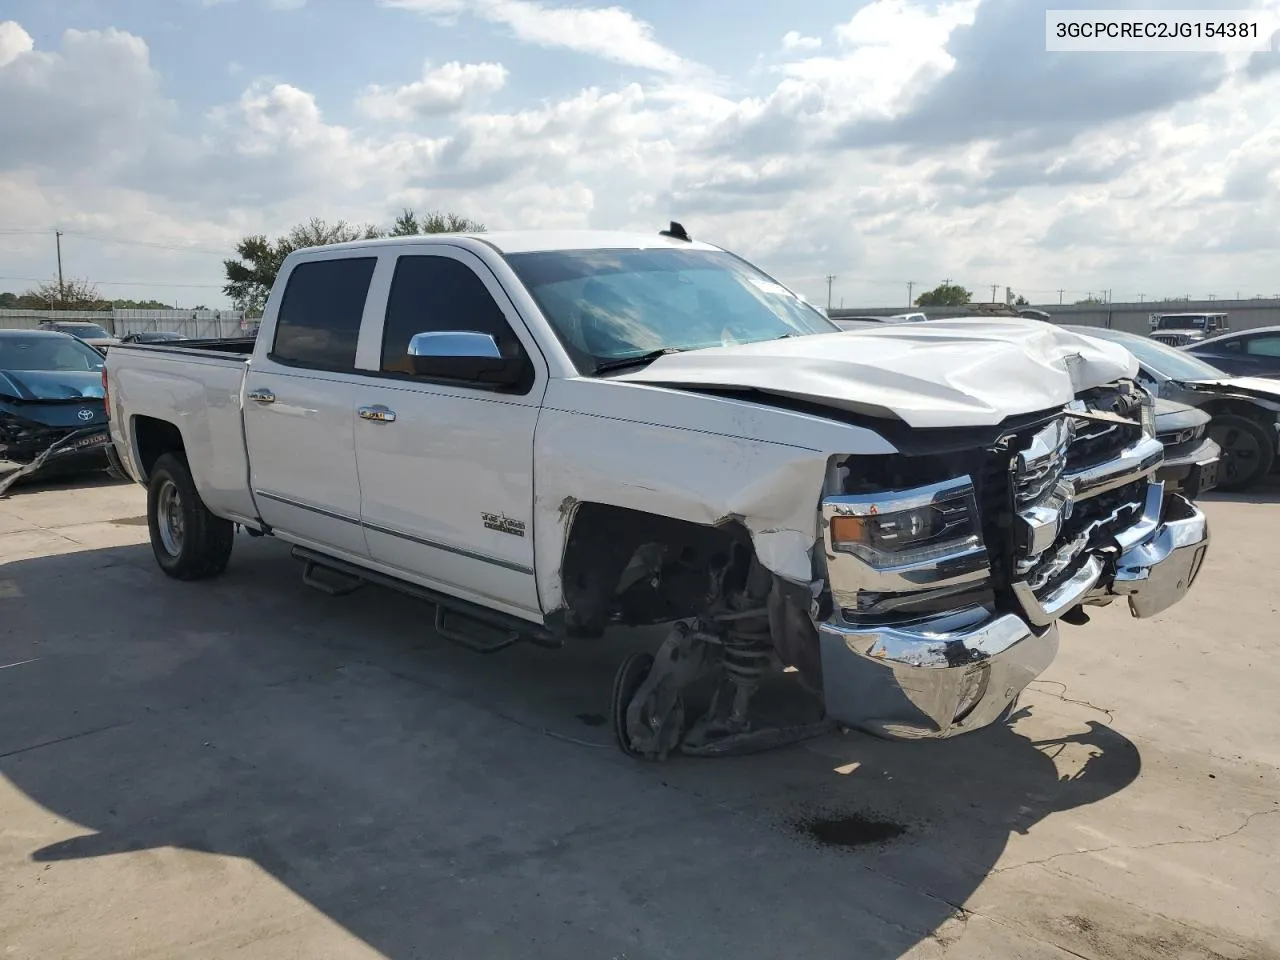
(262, 396)
(377, 414)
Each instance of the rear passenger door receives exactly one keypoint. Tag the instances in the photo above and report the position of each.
(446, 468)
(299, 407)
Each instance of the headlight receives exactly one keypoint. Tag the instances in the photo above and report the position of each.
(1148, 416)
(903, 527)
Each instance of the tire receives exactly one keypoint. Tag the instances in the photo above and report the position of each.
(631, 673)
(1248, 451)
(189, 542)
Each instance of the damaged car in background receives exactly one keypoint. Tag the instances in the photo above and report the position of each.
(1244, 412)
(1191, 456)
(52, 415)
(649, 430)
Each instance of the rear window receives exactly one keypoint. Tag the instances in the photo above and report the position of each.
(319, 321)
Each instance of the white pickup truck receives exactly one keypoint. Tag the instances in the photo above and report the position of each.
(549, 434)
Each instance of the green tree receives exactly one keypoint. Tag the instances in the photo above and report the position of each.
(8, 301)
(251, 275)
(141, 305)
(945, 294)
(1021, 301)
(68, 295)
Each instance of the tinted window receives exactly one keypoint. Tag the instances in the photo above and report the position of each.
(1264, 346)
(81, 330)
(319, 320)
(434, 294)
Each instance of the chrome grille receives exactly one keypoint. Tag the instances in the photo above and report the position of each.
(1172, 339)
(1059, 515)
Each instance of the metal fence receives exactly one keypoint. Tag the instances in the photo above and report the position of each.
(199, 324)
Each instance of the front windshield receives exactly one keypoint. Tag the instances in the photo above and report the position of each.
(608, 305)
(1164, 360)
(1180, 323)
(48, 354)
(82, 330)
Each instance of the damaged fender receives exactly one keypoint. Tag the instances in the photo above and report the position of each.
(705, 459)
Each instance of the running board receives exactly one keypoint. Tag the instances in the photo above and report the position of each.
(510, 630)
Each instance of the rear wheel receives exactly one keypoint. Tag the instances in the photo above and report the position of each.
(1248, 451)
(189, 542)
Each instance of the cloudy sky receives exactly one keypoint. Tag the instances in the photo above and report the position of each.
(882, 142)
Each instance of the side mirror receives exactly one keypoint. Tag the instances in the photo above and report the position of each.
(466, 356)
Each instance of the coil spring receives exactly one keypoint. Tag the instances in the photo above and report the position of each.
(748, 647)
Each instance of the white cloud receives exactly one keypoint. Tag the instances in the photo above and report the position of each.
(610, 33)
(96, 98)
(794, 41)
(443, 90)
(14, 41)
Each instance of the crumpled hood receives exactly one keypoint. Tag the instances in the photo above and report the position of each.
(1261, 388)
(31, 385)
(941, 373)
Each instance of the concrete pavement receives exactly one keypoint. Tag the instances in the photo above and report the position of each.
(246, 768)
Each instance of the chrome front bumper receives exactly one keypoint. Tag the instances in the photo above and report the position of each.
(948, 675)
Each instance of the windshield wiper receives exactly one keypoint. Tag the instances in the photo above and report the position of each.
(620, 363)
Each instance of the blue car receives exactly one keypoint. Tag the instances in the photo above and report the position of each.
(52, 411)
(1247, 353)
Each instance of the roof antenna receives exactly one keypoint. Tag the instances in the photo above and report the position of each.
(676, 232)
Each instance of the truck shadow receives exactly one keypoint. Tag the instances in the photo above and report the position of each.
(438, 803)
(1268, 491)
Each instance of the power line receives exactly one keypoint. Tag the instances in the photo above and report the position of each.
(155, 245)
(125, 283)
(145, 243)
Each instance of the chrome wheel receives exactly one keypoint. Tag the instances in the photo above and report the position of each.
(169, 518)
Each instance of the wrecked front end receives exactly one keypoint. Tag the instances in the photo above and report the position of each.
(945, 571)
(48, 449)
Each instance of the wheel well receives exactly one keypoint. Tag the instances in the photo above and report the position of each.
(154, 438)
(1240, 408)
(629, 567)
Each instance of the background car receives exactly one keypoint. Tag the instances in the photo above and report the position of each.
(51, 396)
(1248, 353)
(91, 333)
(1180, 329)
(152, 336)
(1191, 457)
(1245, 411)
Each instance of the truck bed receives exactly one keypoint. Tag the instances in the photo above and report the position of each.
(196, 387)
(240, 347)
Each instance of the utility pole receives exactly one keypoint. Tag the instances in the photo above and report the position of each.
(993, 292)
(831, 277)
(57, 236)
(1060, 293)
(911, 285)
(1141, 297)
